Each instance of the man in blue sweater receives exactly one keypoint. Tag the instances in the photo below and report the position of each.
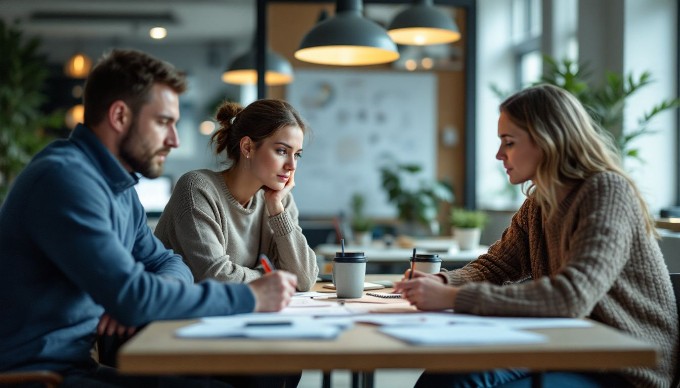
(75, 250)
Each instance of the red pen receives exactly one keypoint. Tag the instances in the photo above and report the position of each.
(266, 264)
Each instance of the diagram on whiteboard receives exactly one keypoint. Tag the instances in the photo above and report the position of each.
(359, 122)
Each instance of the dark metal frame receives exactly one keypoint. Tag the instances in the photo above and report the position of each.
(677, 111)
(470, 41)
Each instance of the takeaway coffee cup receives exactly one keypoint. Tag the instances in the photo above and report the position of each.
(427, 262)
(349, 272)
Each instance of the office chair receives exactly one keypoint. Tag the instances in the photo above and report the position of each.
(48, 378)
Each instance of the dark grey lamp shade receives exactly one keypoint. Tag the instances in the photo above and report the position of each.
(243, 70)
(423, 24)
(348, 39)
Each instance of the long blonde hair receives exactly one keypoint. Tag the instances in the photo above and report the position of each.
(573, 146)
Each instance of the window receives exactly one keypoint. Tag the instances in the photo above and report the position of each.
(526, 31)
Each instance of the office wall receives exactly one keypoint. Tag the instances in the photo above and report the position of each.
(495, 66)
(361, 122)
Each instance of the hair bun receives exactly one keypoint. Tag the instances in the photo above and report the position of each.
(226, 113)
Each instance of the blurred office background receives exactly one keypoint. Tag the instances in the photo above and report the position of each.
(436, 106)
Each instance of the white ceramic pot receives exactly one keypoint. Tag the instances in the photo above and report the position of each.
(467, 238)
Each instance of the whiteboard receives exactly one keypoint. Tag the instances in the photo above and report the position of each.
(360, 121)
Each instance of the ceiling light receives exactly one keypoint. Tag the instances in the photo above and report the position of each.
(158, 33)
(243, 70)
(423, 24)
(348, 39)
(78, 66)
(207, 127)
(74, 116)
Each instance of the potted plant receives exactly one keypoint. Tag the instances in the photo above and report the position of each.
(417, 202)
(606, 102)
(362, 226)
(467, 227)
(23, 73)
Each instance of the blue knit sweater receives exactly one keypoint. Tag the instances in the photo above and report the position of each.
(73, 244)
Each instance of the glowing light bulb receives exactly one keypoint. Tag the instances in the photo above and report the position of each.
(158, 33)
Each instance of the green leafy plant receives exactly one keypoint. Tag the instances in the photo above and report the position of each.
(606, 102)
(23, 72)
(359, 222)
(418, 202)
(463, 218)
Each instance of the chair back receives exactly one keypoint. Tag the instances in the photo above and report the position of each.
(48, 378)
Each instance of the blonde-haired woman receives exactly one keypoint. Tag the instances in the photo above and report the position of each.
(220, 221)
(583, 240)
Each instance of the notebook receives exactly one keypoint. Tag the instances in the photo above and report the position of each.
(386, 295)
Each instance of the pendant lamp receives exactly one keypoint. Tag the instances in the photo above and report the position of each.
(243, 70)
(78, 66)
(422, 24)
(348, 39)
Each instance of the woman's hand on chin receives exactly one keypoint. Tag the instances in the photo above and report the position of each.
(274, 198)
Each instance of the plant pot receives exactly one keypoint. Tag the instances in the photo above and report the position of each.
(467, 238)
(363, 238)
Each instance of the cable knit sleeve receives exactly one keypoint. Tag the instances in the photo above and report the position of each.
(507, 260)
(291, 251)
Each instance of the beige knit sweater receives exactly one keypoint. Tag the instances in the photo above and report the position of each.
(220, 239)
(592, 259)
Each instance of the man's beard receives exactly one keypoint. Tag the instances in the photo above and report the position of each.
(137, 153)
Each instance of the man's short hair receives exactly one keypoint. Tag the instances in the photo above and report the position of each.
(126, 75)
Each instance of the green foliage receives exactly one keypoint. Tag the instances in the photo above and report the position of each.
(419, 204)
(462, 218)
(606, 102)
(359, 223)
(22, 75)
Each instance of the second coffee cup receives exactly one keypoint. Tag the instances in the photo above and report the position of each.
(349, 272)
(427, 262)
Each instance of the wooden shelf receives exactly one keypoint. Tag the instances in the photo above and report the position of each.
(669, 223)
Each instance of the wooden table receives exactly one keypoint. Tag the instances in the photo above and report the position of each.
(155, 350)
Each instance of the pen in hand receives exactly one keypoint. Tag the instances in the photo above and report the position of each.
(413, 264)
(266, 264)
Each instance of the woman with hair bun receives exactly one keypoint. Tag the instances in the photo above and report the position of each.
(220, 221)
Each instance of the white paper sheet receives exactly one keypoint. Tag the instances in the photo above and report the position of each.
(520, 322)
(262, 326)
(464, 335)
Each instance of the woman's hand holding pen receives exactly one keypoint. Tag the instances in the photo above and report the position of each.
(418, 274)
(273, 290)
(274, 198)
(427, 292)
